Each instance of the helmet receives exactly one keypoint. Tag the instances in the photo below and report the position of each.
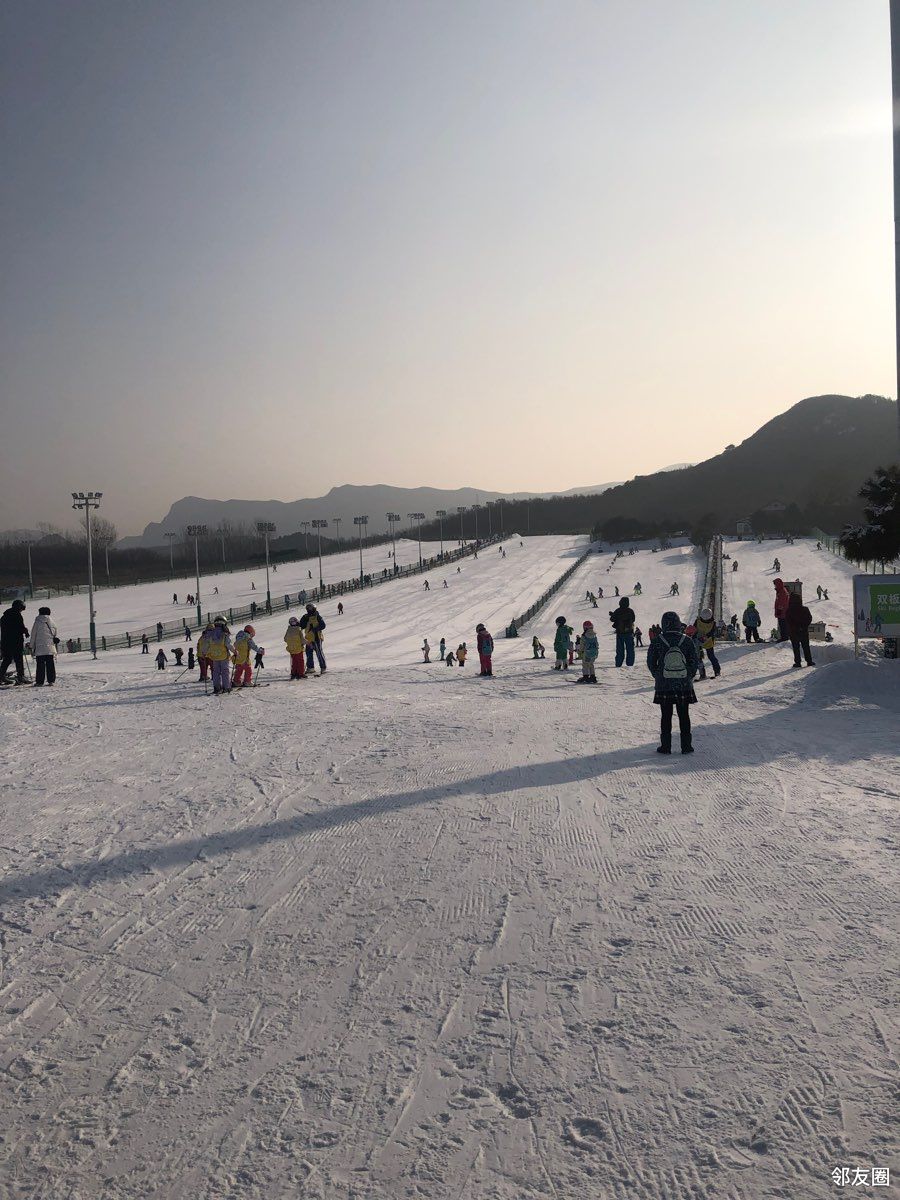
(751, 604)
(310, 607)
(220, 621)
(249, 629)
(588, 625)
(293, 621)
(706, 614)
(560, 620)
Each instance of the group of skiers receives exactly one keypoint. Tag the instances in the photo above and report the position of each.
(485, 646)
(42, 639)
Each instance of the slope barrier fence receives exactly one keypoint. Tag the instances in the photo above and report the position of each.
(163, 631)
(512, 629)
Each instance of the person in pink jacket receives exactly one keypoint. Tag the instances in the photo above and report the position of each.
(782, 599)
(485, 649)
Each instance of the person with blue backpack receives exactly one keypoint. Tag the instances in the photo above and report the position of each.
(672, 660)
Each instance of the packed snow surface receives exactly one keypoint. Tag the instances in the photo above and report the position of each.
(402, 932)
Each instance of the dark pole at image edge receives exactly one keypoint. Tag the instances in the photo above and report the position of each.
(895, 77)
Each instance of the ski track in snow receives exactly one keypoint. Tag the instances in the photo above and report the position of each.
(401, 932)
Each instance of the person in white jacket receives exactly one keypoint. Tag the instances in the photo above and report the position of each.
(44, 640)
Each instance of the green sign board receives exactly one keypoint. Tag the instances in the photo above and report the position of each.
(876, 605)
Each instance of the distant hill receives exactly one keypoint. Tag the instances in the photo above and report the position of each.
(346, 502)
(814, 457)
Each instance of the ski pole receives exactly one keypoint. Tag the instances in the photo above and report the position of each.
(28, 667)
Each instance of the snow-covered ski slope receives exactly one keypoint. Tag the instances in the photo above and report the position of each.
(754, 578)
(408, 934)
(140, 606)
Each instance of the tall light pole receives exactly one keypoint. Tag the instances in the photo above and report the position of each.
(418, 518)
(197, 532)
(488, 506)
(171, 537)
(30, 575)
(265, 528)
(361, 523)
(393, 518)
(475, 508)
(462, 537)
(319, 526)
(440, 514)
(500, 506)
(304, 525)
(221, 532)
(85, 501)
(336, 522)
(895, 75)
(106, 556)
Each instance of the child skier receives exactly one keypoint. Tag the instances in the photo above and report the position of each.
(243, 644)
(590, 648)
(751, 620)
(161, 660)
(426, 651)
(450, 659)
(461, 652)
(190, 658)
(295, 644)
(706, 638)
(561, 644)
(145, 644)
(202, 647)
(485, 649)
(672, 660)
(536, 648)
(179, 655)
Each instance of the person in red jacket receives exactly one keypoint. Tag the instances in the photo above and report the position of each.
(798, 620)
(782, 597)
(485, 649)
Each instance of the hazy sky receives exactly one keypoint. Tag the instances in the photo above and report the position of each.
(260, 248)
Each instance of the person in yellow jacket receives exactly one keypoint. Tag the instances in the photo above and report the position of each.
(461, 653)
(243, 644)
(295, 642)
(706, 640)
(219, 649)
(202, 648)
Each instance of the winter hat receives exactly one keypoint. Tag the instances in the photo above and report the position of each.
(706, 614)
(293, 621)
(480, 629)
(18, 605)
(623, 603)
(588, 625)
(671, 622)
(560, 620)
(249, 629)
(44, 612)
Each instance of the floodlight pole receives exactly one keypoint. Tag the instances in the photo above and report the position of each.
(85, 501)
(895, 76)
(462, 537)
(440, 514)
(265, 528)
(319, 526)
(336, 521)
(197, 532)
(30, 575)
(419, 518)
(360, 523)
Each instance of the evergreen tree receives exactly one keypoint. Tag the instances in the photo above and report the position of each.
(879, 538)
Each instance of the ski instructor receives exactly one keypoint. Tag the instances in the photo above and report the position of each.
(13, 632)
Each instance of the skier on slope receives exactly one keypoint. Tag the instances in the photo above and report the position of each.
(426, 651)
(219, 649)
(13, 632)
(751, 620)
(537, 648)
(161, 659)
(782, 599)
(798, 620)
(623, 620)
(706, 641)
(561, 644)
(243, 644)
(442, 648)
(485, 649)
(461, 651)
(44, 640)
(202, 647)
(313, 623)
(672, 660)
(295, 643)
(590, 649)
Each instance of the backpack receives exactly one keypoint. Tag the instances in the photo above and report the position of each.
(674, 662)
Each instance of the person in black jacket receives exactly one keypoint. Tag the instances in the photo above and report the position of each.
(673, 661)
(13, 632)
(312, 623)
(623, 620)
(798, 620)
